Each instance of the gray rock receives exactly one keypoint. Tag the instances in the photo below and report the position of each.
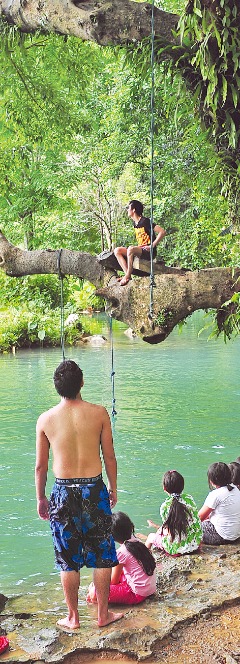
(3, 601)
(188, 587)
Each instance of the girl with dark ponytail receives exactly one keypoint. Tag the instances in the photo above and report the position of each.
(181, 530)
(134, 578)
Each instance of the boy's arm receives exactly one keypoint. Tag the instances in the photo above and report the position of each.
(41, 469)
(160, 235)
(109, 458)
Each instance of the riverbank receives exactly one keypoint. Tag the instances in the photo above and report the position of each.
(196, 598)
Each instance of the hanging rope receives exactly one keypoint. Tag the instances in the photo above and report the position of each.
(61, 277)
(114, 412)
(152, 282)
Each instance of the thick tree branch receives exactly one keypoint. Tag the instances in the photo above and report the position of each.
(176, 296)
(104, 22)
(18, 263)
(178, 293)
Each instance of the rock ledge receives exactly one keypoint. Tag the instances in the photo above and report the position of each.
(190, 586)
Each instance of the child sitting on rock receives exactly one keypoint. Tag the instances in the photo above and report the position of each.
(134, 578)
(181, 531)
(220, 514)
(235, 473)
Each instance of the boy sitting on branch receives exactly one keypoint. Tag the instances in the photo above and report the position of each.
(142, 227)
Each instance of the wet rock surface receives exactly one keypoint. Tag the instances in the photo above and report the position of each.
(192, 590)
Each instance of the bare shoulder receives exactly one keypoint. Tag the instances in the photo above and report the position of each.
(105, 417)
(45, 417)
(99, 410)
(97, 414)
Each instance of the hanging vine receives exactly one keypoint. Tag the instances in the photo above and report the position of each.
(208, 59)
(210, 32)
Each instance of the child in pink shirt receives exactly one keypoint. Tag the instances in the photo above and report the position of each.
(134, 578)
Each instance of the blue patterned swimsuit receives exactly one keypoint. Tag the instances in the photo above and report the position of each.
(81, 524)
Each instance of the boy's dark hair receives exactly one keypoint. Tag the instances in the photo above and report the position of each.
(137, 206)
(68, 379)
(179, 515)
(220, 475)
(122, 531)
(235, 472)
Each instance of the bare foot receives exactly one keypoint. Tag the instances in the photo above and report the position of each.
(91, 595)
(65, 623)
(152, 524)
(89, 600)
(124, 281)
(111, 617)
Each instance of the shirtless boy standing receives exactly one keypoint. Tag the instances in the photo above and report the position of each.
(80, 504)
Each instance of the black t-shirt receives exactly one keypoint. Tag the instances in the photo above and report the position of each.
(143, 232)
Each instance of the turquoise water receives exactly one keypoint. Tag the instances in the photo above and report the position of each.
(177, 407)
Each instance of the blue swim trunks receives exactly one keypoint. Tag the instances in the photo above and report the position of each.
(81, 524)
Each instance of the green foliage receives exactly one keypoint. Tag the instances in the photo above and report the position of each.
(173, 6)
(23, 328)
(67, 183)
(27, 327)
(163, 315)
(34, 316)
(76, 146)
(210, 57)
(208, 61)
(46, 103)
(83, 295)
(41, 290)
(226, 321)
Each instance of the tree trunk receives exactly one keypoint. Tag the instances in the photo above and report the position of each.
(178, 293)
(104, 22)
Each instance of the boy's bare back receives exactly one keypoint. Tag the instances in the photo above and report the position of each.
(76, 430)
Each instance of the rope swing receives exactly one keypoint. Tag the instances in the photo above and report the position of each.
(114, 412)
(152, 282)
(61, 277)
(152, 129)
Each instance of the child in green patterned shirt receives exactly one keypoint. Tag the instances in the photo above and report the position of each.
(181, 530)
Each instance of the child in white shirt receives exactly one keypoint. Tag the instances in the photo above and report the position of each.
(220, 513)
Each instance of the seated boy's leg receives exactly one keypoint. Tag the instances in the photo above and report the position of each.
(131, 252)
(121, 256)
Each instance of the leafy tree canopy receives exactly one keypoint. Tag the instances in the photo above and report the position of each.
(76, 145)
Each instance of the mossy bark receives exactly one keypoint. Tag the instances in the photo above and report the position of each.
(106, 22)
